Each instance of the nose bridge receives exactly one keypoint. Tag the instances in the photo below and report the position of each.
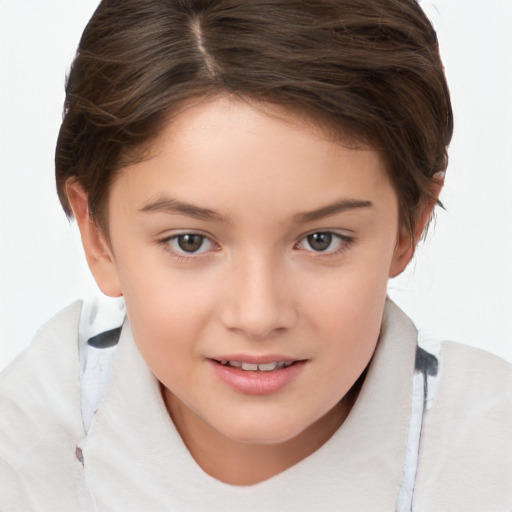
(259, 303)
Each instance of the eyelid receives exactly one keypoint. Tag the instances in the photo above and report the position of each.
(344, 242)
(181, 255)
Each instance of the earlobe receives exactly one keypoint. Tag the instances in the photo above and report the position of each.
(407, 242)
(97, 251)
(404, 251)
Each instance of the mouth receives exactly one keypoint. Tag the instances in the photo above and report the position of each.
(257, 375)
(256, 367)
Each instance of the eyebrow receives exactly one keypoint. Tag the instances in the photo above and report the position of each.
(339, 206)
(173, 206)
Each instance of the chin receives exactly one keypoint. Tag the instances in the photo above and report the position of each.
(262, 433)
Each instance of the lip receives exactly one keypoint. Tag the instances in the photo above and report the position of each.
(255, 359)
(257, 382)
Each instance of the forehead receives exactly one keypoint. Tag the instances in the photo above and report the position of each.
(224, 151)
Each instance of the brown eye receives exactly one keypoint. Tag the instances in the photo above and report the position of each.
(326, 242)
(188, 245)
(320, 241)
(190, 242)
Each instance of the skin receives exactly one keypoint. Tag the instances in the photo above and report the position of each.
(256, 286)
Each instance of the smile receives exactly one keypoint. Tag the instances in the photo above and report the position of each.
(265, 376)
(254, 367)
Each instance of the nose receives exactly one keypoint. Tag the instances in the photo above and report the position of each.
(260, 303)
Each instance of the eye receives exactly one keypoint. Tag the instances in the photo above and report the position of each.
(190, 243)
(324, 242)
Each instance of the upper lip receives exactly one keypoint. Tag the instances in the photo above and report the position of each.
(256, 359)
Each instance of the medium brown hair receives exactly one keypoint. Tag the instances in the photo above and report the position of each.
(366, 69)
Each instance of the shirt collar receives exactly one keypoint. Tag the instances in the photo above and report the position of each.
(134, 445)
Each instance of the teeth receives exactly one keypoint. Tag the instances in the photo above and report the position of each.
(249, 367)
(268, 367)
(253, 367)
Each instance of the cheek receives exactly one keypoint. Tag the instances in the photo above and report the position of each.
(350, 317)
(166, 325)
(168, 307)
(161, 310)
(351, 329)
(348, 306)
(354, 291)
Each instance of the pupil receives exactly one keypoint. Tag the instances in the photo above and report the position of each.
(190, 243)
(320, 241)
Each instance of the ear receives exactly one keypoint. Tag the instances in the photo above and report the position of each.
(407, 242)
(97, 251)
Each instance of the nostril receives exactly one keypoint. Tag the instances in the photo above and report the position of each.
(257, 304)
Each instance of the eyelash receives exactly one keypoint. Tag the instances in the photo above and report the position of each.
(344, 243)
(184, 256)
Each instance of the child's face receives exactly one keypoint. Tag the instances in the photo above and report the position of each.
(248, 238)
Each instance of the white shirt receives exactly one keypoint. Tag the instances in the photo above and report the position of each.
(133, 459)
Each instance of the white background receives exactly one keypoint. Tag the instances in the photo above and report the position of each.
(458, 288)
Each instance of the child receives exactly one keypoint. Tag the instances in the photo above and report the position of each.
(247, 175)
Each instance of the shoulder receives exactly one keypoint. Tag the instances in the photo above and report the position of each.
(42, 381)
(466, 445)
(464, 358)
(40, 404)
(475, 382)
(38, 366)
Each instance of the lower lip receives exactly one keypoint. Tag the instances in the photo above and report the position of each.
(257, 382)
